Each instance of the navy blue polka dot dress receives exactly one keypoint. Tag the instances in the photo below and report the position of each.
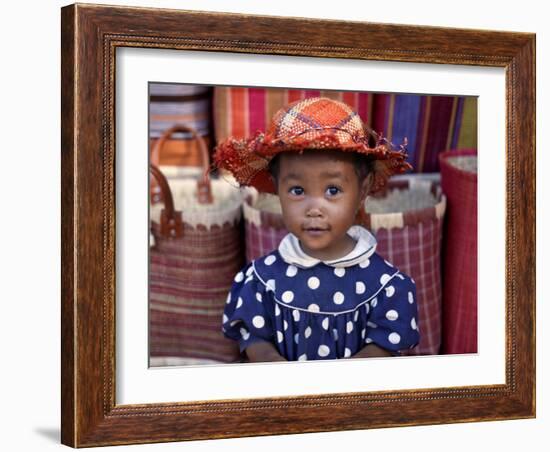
(310, 309)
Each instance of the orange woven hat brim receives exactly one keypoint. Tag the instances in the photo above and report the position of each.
(314, 123)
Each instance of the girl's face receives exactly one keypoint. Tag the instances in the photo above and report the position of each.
(320, 194)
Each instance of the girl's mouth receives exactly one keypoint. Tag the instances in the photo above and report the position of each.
(315, 231)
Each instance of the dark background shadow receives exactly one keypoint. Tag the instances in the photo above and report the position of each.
(51, 433)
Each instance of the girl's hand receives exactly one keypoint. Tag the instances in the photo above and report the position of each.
(263, 352)
(372, 351)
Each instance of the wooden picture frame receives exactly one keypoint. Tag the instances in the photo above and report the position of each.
(90, 36)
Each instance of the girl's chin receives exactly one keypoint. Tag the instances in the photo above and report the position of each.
(318, 251)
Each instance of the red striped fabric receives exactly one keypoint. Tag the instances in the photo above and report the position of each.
(460, 256)
(430, 123)
(240, 112)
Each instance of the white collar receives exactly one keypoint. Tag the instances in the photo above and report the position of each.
(292, 253)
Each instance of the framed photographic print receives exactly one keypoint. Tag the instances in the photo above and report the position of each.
(147, 96)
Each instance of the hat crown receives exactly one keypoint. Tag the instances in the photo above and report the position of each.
(316, 117)
(313, 123)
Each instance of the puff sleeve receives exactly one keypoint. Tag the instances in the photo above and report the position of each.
(246, 317)
(393, 317)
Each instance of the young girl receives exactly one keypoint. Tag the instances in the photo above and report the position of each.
(324, 293)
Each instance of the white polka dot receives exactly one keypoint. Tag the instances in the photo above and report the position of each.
(363, 332)
(228, 299)
(280, 337)
(390, 290)
(356, 316)
(313, 282)
(394, 338)
(367, 307)
(288, 296)
(374, 302)
(364, 264)
(338, 298)
(313, 307)
(296, 315)
(225, 318)
(339, 272)
(368, 340)
(411, 297)
(239, 302)
(234, 322)
(258, 321)
(400, 276)
(335, 334)
(271, 285)
(285, 325)
(324, 323)
(347, 353)
(360, 287)
(269, 260)
(349, 327)
(249, 271)
(277, 310)
(387, 263)
(297, 338)
(239, 277)
(372, 325)
(250, 278)
(323, 351)
(291, 271)
(302, 357)
(307, 332)
(259, 296)
(392, 315)
(414, 326)
(384, 278)
(412, 280)
(244, 333)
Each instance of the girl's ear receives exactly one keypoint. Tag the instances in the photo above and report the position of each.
(275, 183)
(366, 186)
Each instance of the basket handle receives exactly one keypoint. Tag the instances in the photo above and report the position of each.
(171, 222)
(204, 189)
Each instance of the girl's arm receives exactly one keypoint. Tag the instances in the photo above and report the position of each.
(262, 351)
(372, 351)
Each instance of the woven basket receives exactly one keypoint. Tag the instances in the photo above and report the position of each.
(459, 183)
(196, 158)
(264, 227)
(193, 259)
(407, 221)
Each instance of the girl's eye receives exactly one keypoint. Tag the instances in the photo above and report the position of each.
(332, 191)
(297, 191)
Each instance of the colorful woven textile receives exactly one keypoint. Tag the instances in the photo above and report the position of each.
(430, 123)
(460, 252)
(241, 112)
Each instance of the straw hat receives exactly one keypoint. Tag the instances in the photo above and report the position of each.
(313, 123)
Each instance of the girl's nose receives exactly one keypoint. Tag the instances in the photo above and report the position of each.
(313, 211)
